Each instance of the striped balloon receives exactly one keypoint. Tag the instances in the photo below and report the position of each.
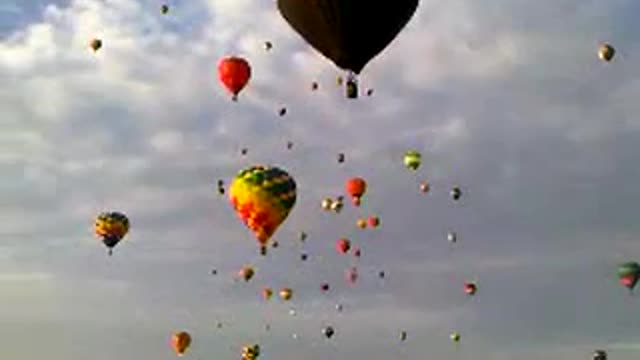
(263, 196)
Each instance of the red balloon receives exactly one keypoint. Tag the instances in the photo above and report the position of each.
(356, 187)
(343, 245)
(470, 288)
(234, 73)
(373, 221)
(351, 275)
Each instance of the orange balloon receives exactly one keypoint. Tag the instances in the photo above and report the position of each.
(356, 187)
(234, 73)
(180, 341)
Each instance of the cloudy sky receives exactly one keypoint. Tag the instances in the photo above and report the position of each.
(505, 97)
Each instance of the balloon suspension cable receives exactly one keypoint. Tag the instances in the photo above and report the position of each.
(352, 85)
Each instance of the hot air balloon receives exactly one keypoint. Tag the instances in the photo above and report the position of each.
(267, 293)
(304, 257)
(286, 294)
(246, 273)
(328, 332)
(234, 73)
(403, 335)
(180, 342)
(452, 237)
(356, 187)
(268, 45)
(599, 355)
(343, 246)
(455, 337)
(349, 33)
(282, 111)
(412, 160)
(373, 221)
(340, 158)
(425, 187)
(606, 52)
(164, 9)
(361, 223)
(324, 287)
(111, 227)
(369, 92)
(455, 193)
(351, 275)
(95, 44)
(244, 151)
(470, 288)
(314, 86)
(336, 206)
(326, 204)
(263, 196)
(628, 274)
(357, 252)
(250, 352)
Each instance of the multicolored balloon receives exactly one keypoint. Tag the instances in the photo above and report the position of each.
(263, 196)
(111, 227)
(628, 274)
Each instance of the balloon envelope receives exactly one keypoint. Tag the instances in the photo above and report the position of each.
(349, 33)
(263, 196)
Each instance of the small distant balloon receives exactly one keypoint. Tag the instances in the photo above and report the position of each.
(327, 203)
(95, 44)
(425, 187)
(164, 9)
(373, 221)
(599, 355)
(470, 288)
(268, 45)
(328, 332)
(455, 337)
(452, 237)
(286, 294)
(456, 193)
(314, 86)
(340, 158)
(282, 111)
(369, 92)
(606, 52)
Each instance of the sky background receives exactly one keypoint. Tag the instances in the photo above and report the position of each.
(506, 98)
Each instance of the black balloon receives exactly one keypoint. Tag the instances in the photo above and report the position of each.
(352, 32)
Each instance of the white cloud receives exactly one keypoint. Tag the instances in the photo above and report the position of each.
(507, 98)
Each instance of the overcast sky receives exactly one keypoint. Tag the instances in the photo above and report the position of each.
(506, 98)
